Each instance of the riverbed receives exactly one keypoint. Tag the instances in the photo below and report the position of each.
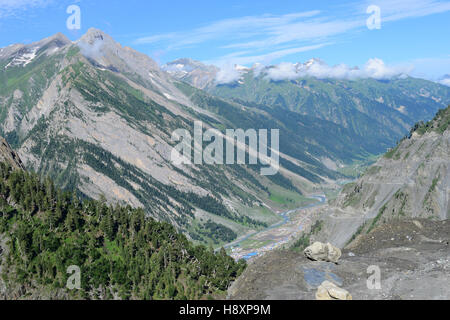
(277, 234)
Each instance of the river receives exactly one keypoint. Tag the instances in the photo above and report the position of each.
(286, 219)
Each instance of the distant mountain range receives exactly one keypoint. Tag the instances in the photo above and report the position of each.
(379, 111)
(98, 118)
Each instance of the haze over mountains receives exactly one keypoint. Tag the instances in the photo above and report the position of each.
(98, 117)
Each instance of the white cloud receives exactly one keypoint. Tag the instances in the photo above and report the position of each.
(301, 31)
(403, 9)
(236, 28)
(91, 50)
(243, 57)
(268, 36)
(156, 38)
(14, 4)
(445, 81)
(257, 68)
(374, 68)
(265, 37)
(12, 7)
(321, 70)
(282, 71)
(228, 74)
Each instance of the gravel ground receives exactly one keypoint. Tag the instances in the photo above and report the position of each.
(413, 257)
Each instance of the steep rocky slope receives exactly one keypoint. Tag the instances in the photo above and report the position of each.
(411, 180)
(98, 118)
(9, 156)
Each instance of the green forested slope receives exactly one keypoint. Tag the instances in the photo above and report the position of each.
(122, 253)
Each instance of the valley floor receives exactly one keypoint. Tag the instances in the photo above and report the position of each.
(258, 243)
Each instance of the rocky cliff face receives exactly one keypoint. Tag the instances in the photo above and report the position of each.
(9, 156)
(412, 180)
(194, 72)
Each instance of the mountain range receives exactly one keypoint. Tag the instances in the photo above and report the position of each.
(98, 118)
(377, 110)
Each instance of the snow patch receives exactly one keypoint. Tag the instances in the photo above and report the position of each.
(401, 109)
(24, 59)
(52, 51)
(168, 96)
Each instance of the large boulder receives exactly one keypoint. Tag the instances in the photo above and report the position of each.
(329, 291)
(323, 252)
(334, 253)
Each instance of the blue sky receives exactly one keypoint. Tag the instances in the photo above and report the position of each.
(413, 34)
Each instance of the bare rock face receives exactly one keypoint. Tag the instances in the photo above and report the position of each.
(323, 252)
(198, 74)
(9, 155)
(329, 291)
(410, 181)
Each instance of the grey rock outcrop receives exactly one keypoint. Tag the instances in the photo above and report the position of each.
(9, 155)
(323, 252)
(329, 291)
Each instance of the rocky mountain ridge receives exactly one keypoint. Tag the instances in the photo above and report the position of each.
(98, 118)
(411, 180)
(381, 109)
